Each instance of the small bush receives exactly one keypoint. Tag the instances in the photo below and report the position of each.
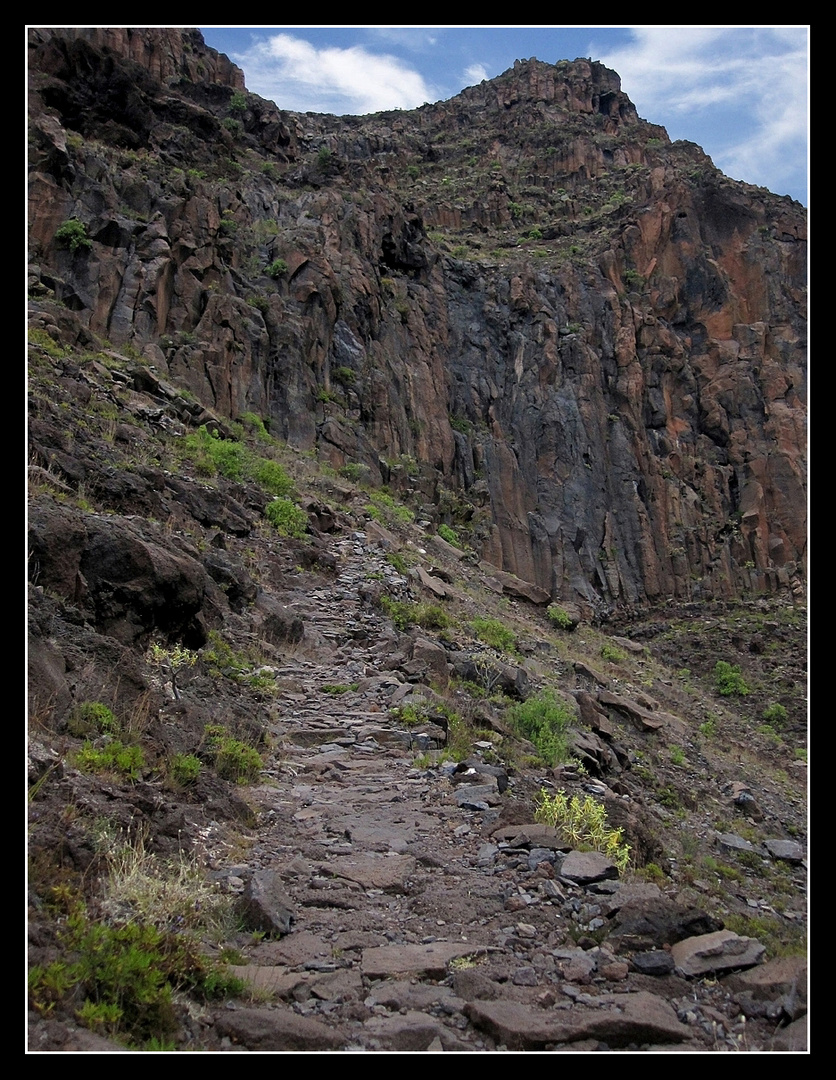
(611, 653)
(384, 508)
(185, 769)
(450, 535)
(115, 757)
(353, 470)
(775, 715)
(709, 728)
(123, 977)
(271, 476)
(544, 721)
(92, 718)
(344, 375)
(584, 823)
(287, 518)
(73, 235)
(233, 760)
(495, 634)
(729, 680)
(277, 268)
(559, 618)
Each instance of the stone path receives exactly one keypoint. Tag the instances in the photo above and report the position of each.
(412, 927)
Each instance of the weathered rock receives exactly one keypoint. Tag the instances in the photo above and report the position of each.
(788, 850)
(721, 951)
(265, 905)
(429, 961)
(619, 1020)
(647, 923)
(389, 873)
(433, 657)
(277, 1029)
(584, 867)
(654, 962)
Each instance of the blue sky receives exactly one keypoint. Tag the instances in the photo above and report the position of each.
(740, 92)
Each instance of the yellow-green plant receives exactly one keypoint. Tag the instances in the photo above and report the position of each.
(583, 822)
(171, 662)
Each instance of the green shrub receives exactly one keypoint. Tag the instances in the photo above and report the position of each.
(344, 375)
(584, 823)
(775, 715)
(495, 634)
(115, 757)
(238, 101)
(559, 618)
(404, 613)
(122, 978)
(171, 662)
(450, 535)
(729, 680)
(184, 769)
(386, 509)
(42, 340)
(277, 268)
(73, 235)
(287, 518)
(271, 476)
(397, 562)
(92, 718)
(233, 759)
(709, 728)
(544, 720)
(611, 653)
(353, 470)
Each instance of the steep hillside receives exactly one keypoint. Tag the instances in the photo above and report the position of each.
(389, 477)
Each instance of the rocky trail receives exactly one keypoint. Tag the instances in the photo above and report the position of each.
(410, 907)
(417, 650)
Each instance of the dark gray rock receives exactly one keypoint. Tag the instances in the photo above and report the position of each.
(654, 962)
(265, 905)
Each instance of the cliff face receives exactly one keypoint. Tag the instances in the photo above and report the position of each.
(576, 341)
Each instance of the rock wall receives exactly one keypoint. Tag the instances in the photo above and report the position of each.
(618, 418)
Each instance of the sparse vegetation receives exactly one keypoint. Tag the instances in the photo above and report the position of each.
(494, 633)
(559, 618)
(232, 759)
(73, 235)
(728, 679)
(584, 823)
(544, 720)
(287, 518)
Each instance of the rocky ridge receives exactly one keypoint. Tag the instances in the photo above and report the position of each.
(392, 887)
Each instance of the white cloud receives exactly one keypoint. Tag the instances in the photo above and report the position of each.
(475, 74)
(298, 76)
(755, 77)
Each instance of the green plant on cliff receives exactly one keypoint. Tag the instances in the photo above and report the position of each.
(277, 268)
(286, 518)
(73, 235)
(494, 633)
(729, 680)
(559, 618)
(543, 720)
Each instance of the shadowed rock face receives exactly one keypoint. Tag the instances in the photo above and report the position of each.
(616, 416)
